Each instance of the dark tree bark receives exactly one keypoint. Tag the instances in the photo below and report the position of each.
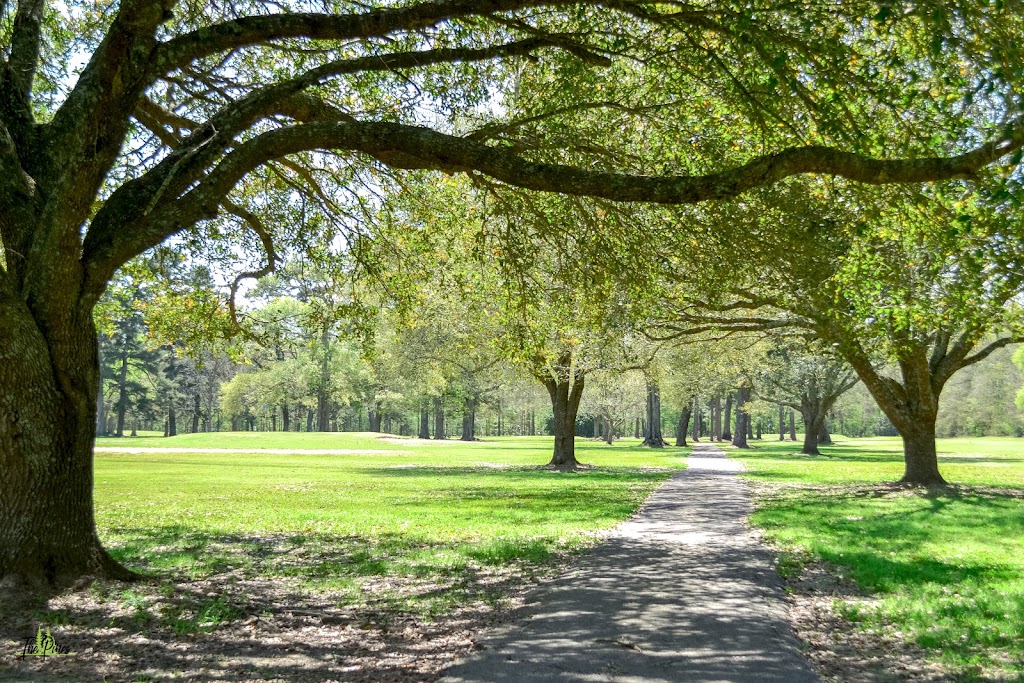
(782, 423)
(912, 404)
(49, 379)
(696, 419)
(285, 418)
(424, 422)
(323, 392)
(727, 423)
(749, 421)
(197, 409)
(172, 420)
(758, 432)
(739, 438)
(716, 425)
(309, 419)
(654, 438)
(374, 416)
(824, 438)
(122, 396)
(565, 383)
(439, 419)
(684, 425)
(792, 426)
(469, 419)
(636, 428)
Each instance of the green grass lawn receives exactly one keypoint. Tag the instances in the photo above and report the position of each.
(427, 511)
(944, 567)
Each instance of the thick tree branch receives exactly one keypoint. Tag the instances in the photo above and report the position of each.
(990, 349)
(416, 147)
(26, 37)
(404, 146)
(179, 52)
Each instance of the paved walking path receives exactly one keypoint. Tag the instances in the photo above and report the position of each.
(681, 592)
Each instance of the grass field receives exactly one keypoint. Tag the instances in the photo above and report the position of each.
(945, 568)
(437, 513)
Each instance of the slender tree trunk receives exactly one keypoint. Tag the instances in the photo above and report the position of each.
(323, 393)
(684, 425)
(439, 419)
(654, 437)
(424, 422)
(597, 427)
(636, 428)
(792, 425)
(716, 421)
(696, 419)
(782, 423)
(609, 431)
(285, 418)
(122, 396)
(749, 421)
(196, 409)
(727, 423)
(758, 433)
(172, 420)
(469, 420)
(101, 413)
(309, 419)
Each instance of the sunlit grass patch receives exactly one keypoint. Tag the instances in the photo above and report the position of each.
(439, 519)
(945, 567)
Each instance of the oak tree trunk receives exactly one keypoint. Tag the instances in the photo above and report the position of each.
(716, 419)
(424, 423)
(49, 379)
(739, 438)
(684, 425)
(172, 420)
(565, 403)
(286, 422)
(653, 437)
(727, 423)
(468, 420)
(812, 424)
(439, 419)
(824, 438)
(696, 419)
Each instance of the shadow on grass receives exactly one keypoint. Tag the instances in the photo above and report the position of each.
(790, 451)
(945, 565)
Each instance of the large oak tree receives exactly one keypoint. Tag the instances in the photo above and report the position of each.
(125, 124)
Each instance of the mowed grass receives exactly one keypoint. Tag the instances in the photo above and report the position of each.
(943, 567)
(433, 512)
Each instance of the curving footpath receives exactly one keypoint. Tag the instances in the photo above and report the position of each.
(680, 592)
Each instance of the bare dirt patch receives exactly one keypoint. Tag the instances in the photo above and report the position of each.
(234, 626)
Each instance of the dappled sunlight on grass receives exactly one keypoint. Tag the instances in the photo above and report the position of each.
(432, 510)
(943, 566)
